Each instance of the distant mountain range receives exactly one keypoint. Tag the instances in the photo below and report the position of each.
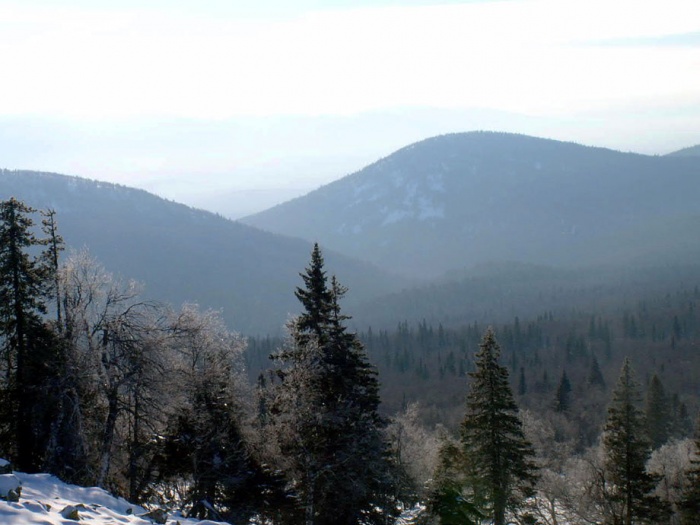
(182, 254)
(511, 224)
(459, 200)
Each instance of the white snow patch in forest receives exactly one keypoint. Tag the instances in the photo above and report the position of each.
(436, 183)
(411, 190)
(397, 179)
(396, 216)
(363, 188)
(429, 211)
(44, 497)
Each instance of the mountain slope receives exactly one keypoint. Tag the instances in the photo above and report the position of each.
(463, 199)
(692, 151)
(182, 254)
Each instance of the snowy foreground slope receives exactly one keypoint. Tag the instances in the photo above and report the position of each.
(45, 500)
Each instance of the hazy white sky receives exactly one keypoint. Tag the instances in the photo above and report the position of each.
(247, 102)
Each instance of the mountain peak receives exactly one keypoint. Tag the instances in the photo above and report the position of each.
(467, 198)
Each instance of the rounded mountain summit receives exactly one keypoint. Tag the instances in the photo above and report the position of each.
(463, 199)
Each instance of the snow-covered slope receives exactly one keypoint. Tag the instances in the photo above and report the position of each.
(45, 500)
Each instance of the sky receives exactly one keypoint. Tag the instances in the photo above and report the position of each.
(235, 105)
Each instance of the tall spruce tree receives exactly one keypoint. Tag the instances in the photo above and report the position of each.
(658, 415)
(627, 450)
(30, 354)
(562, 401)
(595, 376)
(54, 246)
(325, 410)
(500, 457)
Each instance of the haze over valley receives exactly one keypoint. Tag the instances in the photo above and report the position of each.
(427, 262)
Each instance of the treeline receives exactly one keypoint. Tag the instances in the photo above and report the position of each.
(564, 361)
(102, 388)
(428, 364)
(155, 404)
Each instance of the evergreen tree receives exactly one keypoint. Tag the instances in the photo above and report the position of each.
(658, 413)
(595, 376)
(681, 424)
(30, 353)
(562, 401)
(499, 455)
(627, 451)
(450, 498)
(54, 247)
(204, 444)
(325, 410)
(522, 384)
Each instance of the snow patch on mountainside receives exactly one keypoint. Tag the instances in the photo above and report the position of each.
(396, 216)
(403, 198)
(429, 211)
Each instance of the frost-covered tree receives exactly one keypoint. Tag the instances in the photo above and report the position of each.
(205, 447)
(451, 497)
(498, 454)
(670, 463)
(415, 446)
(325, 413)
(690, 502)
(627, 449)
(117, 369)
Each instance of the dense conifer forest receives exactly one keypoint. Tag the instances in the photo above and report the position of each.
(570, 416)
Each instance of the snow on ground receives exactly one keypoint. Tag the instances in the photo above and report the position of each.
(45, 500)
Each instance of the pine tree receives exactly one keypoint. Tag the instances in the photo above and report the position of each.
(562, 400)
(325, 411)
(29, 350)
(658, 413)
(595, 376)
(450, 497)
(522, 384)
(627, 451)
(54, 246)
(492, 435)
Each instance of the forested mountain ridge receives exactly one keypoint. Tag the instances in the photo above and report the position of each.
(427, 362)
(496, 293)
(183, 254)
(457, 200)
(692, 151)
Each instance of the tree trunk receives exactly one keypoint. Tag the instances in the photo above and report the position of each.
(108, 439)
